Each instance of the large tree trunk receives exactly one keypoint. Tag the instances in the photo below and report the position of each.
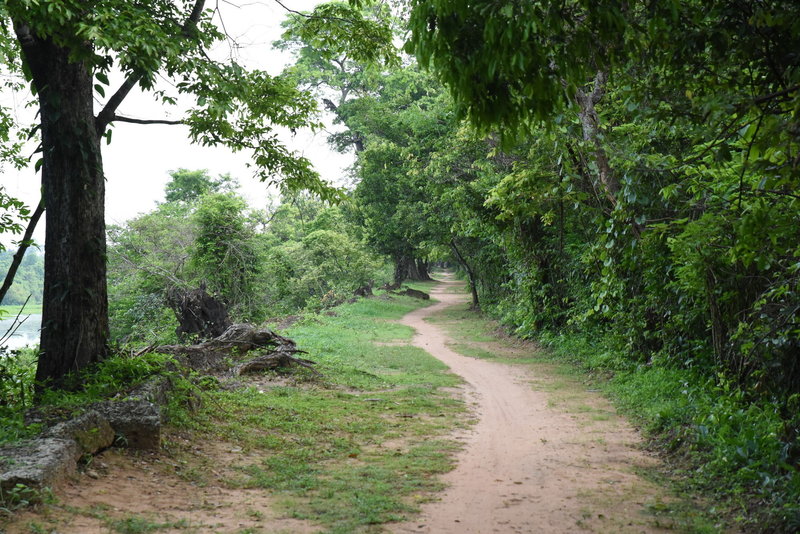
(421, 271)
(400, 270)
(75, 303)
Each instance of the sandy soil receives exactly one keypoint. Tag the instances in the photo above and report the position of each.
(529, 466)
(129, 491)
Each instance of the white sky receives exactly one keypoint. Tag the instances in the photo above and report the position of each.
(139, 158)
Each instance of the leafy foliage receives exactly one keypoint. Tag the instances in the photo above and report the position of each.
(641, 190)
(28, 281)
(303, 255)
(12, 213)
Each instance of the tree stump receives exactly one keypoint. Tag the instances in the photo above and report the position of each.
(198, 313)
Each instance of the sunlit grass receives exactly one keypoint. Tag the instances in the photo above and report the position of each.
(362, 444)
(9, 311)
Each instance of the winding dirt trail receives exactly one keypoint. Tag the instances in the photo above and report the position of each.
(527, 466)
(545, 456)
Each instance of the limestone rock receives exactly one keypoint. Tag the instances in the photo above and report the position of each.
(90, 430)
(136, 422)
(37, 464)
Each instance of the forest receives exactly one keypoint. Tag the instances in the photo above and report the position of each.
(618, 181)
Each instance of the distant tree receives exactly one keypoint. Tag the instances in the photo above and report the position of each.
(340, 61)
(223, 253)
(402, 126)
(186, 185)
(29, 279)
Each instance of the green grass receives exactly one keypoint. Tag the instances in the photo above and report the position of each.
(142, 525)
(472, 351)
(465, 324)
(358, 447)
(8, 311)
(717, 442)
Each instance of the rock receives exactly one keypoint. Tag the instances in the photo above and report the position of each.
(155, 390)
(137, 423)
(36, 465)
(90, 430)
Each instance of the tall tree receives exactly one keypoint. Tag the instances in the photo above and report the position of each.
(186, 185)
(342, 61)
(66, 48)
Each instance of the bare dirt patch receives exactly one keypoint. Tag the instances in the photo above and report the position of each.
(546, 455)
(187, 490)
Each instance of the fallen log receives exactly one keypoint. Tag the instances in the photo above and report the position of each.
(414, 293)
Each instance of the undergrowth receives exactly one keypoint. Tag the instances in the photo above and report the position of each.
(720, 442)
(113, 376)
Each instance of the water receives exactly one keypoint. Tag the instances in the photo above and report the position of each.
(26, 334)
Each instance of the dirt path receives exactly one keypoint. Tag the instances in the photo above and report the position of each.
(545, 456)
(526, 466)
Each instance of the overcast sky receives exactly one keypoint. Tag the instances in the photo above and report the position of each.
(139, 158)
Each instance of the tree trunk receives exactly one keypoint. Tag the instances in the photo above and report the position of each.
(408, 268)
(400, 270)
(473, 286)
(422, 270)
(75, 303)
(590, 123)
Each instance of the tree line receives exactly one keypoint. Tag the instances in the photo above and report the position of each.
(624, 172)
(27, 286)
(301, 254)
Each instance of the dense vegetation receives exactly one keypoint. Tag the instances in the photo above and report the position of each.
(631, 194)
(302, 254)
(617, 179)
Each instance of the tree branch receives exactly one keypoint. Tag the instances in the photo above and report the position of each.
(120, 118)
(23, 246)
(108, 113)
(767, 98)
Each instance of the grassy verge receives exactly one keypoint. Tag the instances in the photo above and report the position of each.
(358, 447)
(718, 443)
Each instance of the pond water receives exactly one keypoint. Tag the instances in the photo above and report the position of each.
(26, 334)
